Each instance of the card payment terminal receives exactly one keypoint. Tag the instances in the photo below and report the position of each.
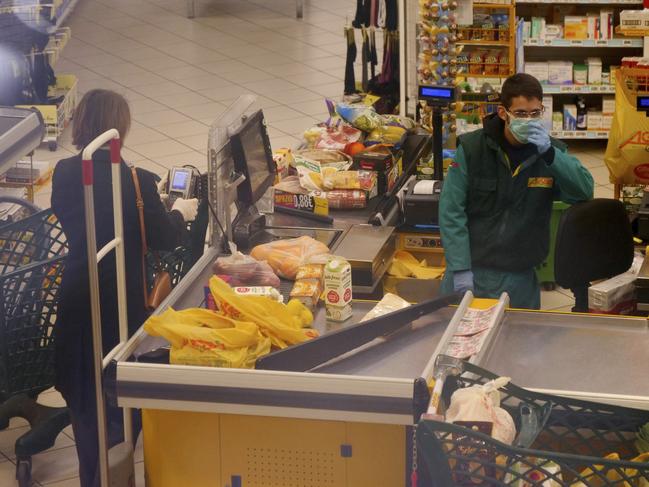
(181, 184)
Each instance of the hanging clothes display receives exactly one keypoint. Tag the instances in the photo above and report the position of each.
(350, 78)
(363, 13)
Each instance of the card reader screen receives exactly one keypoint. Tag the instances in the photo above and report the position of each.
(643, 102)
(180, 181)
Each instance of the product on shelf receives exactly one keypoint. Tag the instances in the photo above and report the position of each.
(594, 120)
(575, 27)
(608, 105)
(634, 20)
(580, 74)
(548, 105)
(557, 121)
(560, 72)
(570, 117)
(594, 69)
(537, 69)
(581, 113)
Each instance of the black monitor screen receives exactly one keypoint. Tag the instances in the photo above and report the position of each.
(254, 158)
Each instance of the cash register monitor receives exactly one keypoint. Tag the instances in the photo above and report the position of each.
(253, 158)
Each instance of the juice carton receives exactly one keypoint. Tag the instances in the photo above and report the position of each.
(338, 289)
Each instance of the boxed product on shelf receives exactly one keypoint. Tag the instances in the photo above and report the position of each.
(608, 105)
(575, 27)
(559, 72)
(557, 121)
(606, 78)
(537, 28)
(570, 117)
(548, 105)
(594, 67)
(537, 69)
(580, 74)
(594, 120)
(527, 29)
(553, 31)
(606, 24)
(634, 20)
(593, 26)
(607, 121)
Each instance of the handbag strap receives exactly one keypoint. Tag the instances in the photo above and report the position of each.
(139, 202)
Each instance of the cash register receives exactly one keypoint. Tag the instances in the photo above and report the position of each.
(421, 201)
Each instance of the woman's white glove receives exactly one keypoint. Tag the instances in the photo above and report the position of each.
(187, 208)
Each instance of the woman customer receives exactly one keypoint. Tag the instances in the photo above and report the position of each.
(98, 111)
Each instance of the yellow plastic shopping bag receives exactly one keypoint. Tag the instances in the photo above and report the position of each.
(405, 264)
(202, 337)
(627, 152)
(284, 325)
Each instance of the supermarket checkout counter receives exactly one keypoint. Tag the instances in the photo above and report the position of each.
(338, 410)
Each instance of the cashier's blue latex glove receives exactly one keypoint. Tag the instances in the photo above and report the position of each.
(539, 136)
(463, 281)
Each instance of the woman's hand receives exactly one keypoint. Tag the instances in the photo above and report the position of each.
(187, 208)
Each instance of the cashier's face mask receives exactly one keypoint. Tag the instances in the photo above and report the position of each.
(520, 127)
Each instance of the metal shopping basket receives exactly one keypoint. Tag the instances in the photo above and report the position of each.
(28, 305)
(561, 442)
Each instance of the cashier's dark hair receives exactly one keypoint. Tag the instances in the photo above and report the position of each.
(520, 84)
(98, 111)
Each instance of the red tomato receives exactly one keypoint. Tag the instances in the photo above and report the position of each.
(354, 148)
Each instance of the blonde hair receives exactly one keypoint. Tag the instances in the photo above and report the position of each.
(98, 111)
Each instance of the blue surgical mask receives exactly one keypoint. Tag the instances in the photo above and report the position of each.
(520, 128)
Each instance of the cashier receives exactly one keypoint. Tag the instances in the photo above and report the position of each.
(497, 199)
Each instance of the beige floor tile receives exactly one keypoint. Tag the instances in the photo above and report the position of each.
(55, 465)
(204, 82)
(196, 142)
(284, 141)
(225, 93)
(204, 110)
(196, 158)
(144, 135)
(267, 87)
(602, 191)
(164, 117)
(152, 150)
(145, 105)
(183, 72)
(74, 482)
(151, 166)
(180, 100)
(8, 474)
(295, 125)
(600, 175)
(279, 113)
(311, 107)
(159, 90)
(183, 129)
(51, 398)
(295, 96)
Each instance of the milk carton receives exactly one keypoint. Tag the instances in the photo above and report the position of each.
(338, 289)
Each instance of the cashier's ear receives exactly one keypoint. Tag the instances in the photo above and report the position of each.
(502, 113)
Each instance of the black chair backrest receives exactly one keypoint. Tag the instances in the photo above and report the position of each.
(594, 241)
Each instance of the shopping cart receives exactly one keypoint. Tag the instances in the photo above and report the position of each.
(28, 304)
(561, 442)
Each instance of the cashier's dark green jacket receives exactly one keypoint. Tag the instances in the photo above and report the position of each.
(496, 219)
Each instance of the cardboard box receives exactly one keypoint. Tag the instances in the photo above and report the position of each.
(553, 31)
(548, 104)
(560, 72)
(537, 69)
(557, 121)
(606, 24)
(593, 31)
(594, 120)
(631, 20)
(616, 295)
(575, 27)
(608, 105)
(607, 122)
(380, 160)
(538, 28)
(570, 117)
(594, 66)
(580, 74)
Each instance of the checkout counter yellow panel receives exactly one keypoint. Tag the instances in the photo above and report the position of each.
(270, 452)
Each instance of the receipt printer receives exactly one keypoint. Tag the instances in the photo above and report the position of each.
(421, 203)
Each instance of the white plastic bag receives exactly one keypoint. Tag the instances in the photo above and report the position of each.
(482, 403)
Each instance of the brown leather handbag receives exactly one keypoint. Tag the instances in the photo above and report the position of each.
(161, 278)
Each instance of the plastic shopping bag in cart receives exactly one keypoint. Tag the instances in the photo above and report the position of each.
(202, 337)
(482, 403)
(627, 152)
(285, 256)
(283, 324)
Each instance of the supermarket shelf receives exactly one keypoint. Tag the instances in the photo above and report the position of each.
(632, 33)
(492, 5)
(588, 2)
(581, 134)
(584, 42)
(484, 43)
(558, 89)
(469, 75)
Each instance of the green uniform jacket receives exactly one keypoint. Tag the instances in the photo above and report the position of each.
(497, 223)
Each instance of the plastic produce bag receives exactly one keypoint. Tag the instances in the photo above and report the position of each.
(202, 337)
(482, 403)
(331, 137)
(327, 158)
(285, 256)
(245, 271)
(626, 151)
(361, 117)
(283, 324)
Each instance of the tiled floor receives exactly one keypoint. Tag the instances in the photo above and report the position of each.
(179, 75)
